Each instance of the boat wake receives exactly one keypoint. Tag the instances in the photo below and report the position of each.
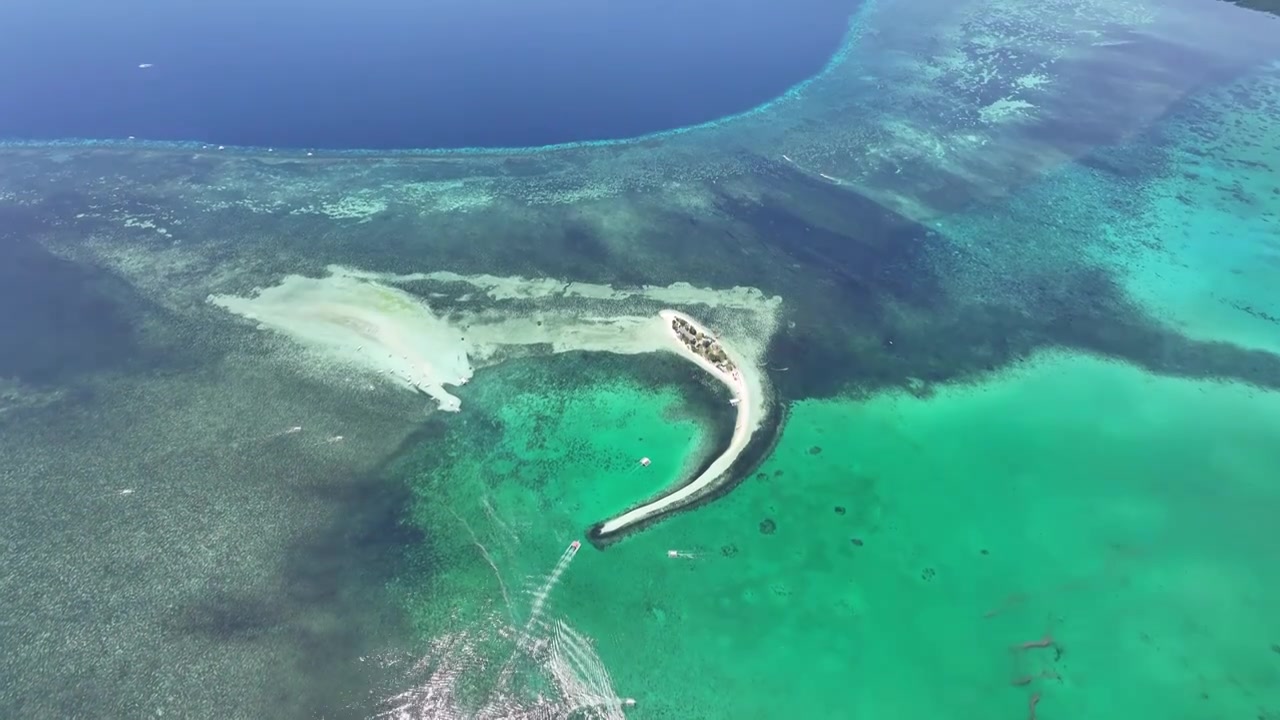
(551, 670)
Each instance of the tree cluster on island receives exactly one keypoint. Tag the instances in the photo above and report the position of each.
(702, 345)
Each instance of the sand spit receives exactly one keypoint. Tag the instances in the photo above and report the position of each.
(744, 380)
(361, 322)
(519, 288)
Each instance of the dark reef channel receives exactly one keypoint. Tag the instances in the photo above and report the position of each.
(905, 305)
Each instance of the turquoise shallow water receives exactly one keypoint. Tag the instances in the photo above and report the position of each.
(1025, 356)
(894, 553)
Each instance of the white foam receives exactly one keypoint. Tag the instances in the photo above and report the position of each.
(579, 683)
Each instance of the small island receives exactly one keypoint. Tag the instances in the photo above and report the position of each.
(702, 344)
(687, 338)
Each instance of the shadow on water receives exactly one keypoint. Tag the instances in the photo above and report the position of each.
(59, 318)
(62, 318)
(328, 606)
(226, 616)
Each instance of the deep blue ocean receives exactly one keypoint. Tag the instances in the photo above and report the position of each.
(384, 74)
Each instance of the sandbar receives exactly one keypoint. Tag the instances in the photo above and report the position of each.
(744, 382)
(354, 322)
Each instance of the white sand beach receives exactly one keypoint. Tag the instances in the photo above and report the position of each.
(354, 322)
(365, 325)
(744, 383)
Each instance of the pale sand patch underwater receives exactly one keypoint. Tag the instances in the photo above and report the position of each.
(359, 320)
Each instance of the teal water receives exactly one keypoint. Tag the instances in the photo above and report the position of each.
(1025, 355)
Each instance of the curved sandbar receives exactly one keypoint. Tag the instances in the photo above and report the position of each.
(694, 343)
(354, 322)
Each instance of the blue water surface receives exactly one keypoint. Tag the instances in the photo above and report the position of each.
(385, 74)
